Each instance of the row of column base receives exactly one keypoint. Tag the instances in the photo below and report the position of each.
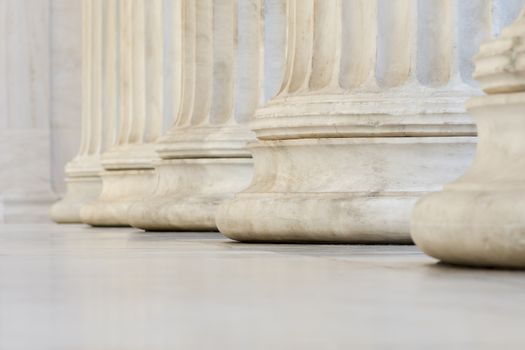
(179, 194)
(359, 190)
(355, 190)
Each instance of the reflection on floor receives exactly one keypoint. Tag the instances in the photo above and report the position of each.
(76, 287)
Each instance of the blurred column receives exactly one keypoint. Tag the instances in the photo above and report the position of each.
(99, 116)
(128, 173)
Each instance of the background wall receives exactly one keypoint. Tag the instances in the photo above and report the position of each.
(39, 102)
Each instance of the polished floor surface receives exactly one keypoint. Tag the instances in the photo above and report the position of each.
(75, 287)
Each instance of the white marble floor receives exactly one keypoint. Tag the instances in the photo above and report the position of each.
(75, 287)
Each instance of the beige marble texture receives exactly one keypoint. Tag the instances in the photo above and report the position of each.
(76, 287)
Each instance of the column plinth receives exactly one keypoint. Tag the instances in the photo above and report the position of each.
(120, 190)
(188, 192)
(478, 219)
(83, 186)
(370, 202)
(199, 168)
(128, 177)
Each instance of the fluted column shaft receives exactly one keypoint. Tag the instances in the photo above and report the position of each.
(478, 218)
(369, 117)
(140, 85)
(344, 56)
(220, 76)
(133, 89)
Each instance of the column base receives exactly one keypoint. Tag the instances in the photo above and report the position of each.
(120, 190)
(319, 218)
(348, 190)
(81, 190)
(188, 193)
(479, 220)
(476, 228)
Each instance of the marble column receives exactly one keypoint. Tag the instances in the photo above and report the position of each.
(98, 109)
(369, 118)
(219, 63)
(479, 219)
(128, 164)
